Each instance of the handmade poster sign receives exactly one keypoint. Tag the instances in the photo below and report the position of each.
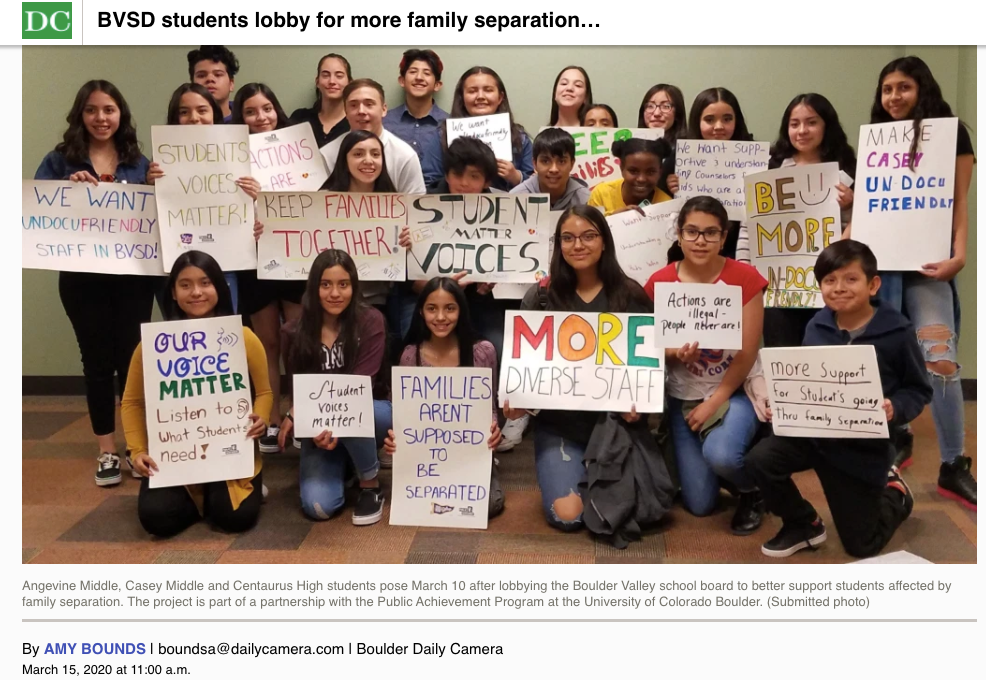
(200, 207)
(493, 131)
(442, 420)
(594, 159)
(299, 226)
(792, 215)
(710, 314)
(581, 362)
(903, 202)
(494, 237)
(716, 168)
(517, 291)
(642, 241)
(77, 227)
(287, 159)
(341, 404)
(197, 395)
(829, 392)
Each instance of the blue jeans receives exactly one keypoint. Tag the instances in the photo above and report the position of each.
(700, 464)
(322, 473)
(560, 467)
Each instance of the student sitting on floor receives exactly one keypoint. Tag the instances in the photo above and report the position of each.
(865, 492)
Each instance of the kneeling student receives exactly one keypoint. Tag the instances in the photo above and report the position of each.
(865, 492)
(196, 289)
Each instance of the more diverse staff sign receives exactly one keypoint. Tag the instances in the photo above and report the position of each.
(594, 159)
(716, 168)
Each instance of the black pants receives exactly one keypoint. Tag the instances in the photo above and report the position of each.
(785, 327)
(106, 312)
(170, 510)
(866, 515)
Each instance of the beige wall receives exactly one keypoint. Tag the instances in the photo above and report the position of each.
(763, 78)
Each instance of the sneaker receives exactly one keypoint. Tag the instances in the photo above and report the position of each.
(513, 433)
(895, 481)
(133, 470)
(108, 472)
(955, 481)
(790, 540)
(386, 460)
(268, 442)
(904, 444)
(369, 507)
(297, 443)
(749, 513)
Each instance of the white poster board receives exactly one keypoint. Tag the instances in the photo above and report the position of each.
(287, 159)
(642, 241)
(829, 392)
(299, 226)
(594, 159)
(495, 237)
(716, 168)
(905, 215)
(581, 362)
(792, 215)
(517, 291)
(200, 207)
(341, 404)
(197, 396)
(77, 227)
(710, 314)
(442, 466)
(493, 131)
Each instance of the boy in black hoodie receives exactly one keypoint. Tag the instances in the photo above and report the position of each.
(866, 494)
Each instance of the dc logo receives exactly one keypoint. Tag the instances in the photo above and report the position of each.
(46, 20)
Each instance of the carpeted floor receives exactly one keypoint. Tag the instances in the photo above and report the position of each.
(67, 519)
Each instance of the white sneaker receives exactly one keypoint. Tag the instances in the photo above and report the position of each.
(386, 460)
(268, 442)
(513, 433)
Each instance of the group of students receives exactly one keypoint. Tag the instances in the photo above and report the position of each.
(335, 323)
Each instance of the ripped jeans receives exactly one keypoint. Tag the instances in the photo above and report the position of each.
(931, 307)
(560, 467)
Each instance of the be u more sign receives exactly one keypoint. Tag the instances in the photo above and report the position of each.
(710, 314)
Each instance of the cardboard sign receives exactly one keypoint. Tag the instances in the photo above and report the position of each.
(493, 131)
(287, 159)
(78, 227)
(341, 404)
(517, 291)
(716, 168)
(581, 362)
(829, 392)
(199, 204)
(197, 395)
(442, 420)
(710, 314)
(299, 226)
(792, 215)
(904, 214)
(642, 241)
(494, 237)
(594, 159)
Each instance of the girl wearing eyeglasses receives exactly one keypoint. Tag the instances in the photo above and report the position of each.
(712, 420)
(663, 106)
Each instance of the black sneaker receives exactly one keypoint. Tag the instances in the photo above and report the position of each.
(749, 513)
(108, 472)
(130, 464)
(904, 445)
(895, 481)
(790, 540)
(369, 507)
(268, 442)
(955, 481)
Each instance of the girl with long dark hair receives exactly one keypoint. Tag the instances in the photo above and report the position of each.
(571, 97)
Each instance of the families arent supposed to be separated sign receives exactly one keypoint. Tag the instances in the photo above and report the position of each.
(642, 241)
(442, 421)
(299, 226)
(199, 205)
(792, 215)
(710, 314)
(493, 131)
(341, 404)
(287, 159)
(902, 208)
(829, 392)
(78, 227)
(594, 159)
(581, 362)
(197, 396)
(493, 237)
(716, 168)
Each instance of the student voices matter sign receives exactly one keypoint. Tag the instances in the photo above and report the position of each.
(287, 159)
(340, 404)
(716, 168)
(198, 401)
(594, 159)
(78, 227)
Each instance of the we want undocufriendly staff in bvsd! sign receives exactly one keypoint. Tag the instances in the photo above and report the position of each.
(197, 395)
(46, 20)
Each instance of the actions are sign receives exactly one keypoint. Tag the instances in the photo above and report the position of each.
(287, 159)
(710, 314)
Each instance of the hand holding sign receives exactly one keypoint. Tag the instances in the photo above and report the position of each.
(706, 314)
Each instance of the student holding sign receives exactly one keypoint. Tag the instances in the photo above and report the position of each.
(339, 333)
(327, 115)
(640, 165)
(196, 290)
(571, 97)
(599, 115)
(908, 91)
(865, 492)
(106, 310)
(554, 158)
(480, 92)
(712, 419)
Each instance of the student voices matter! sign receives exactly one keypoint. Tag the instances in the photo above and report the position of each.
(340, 404)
